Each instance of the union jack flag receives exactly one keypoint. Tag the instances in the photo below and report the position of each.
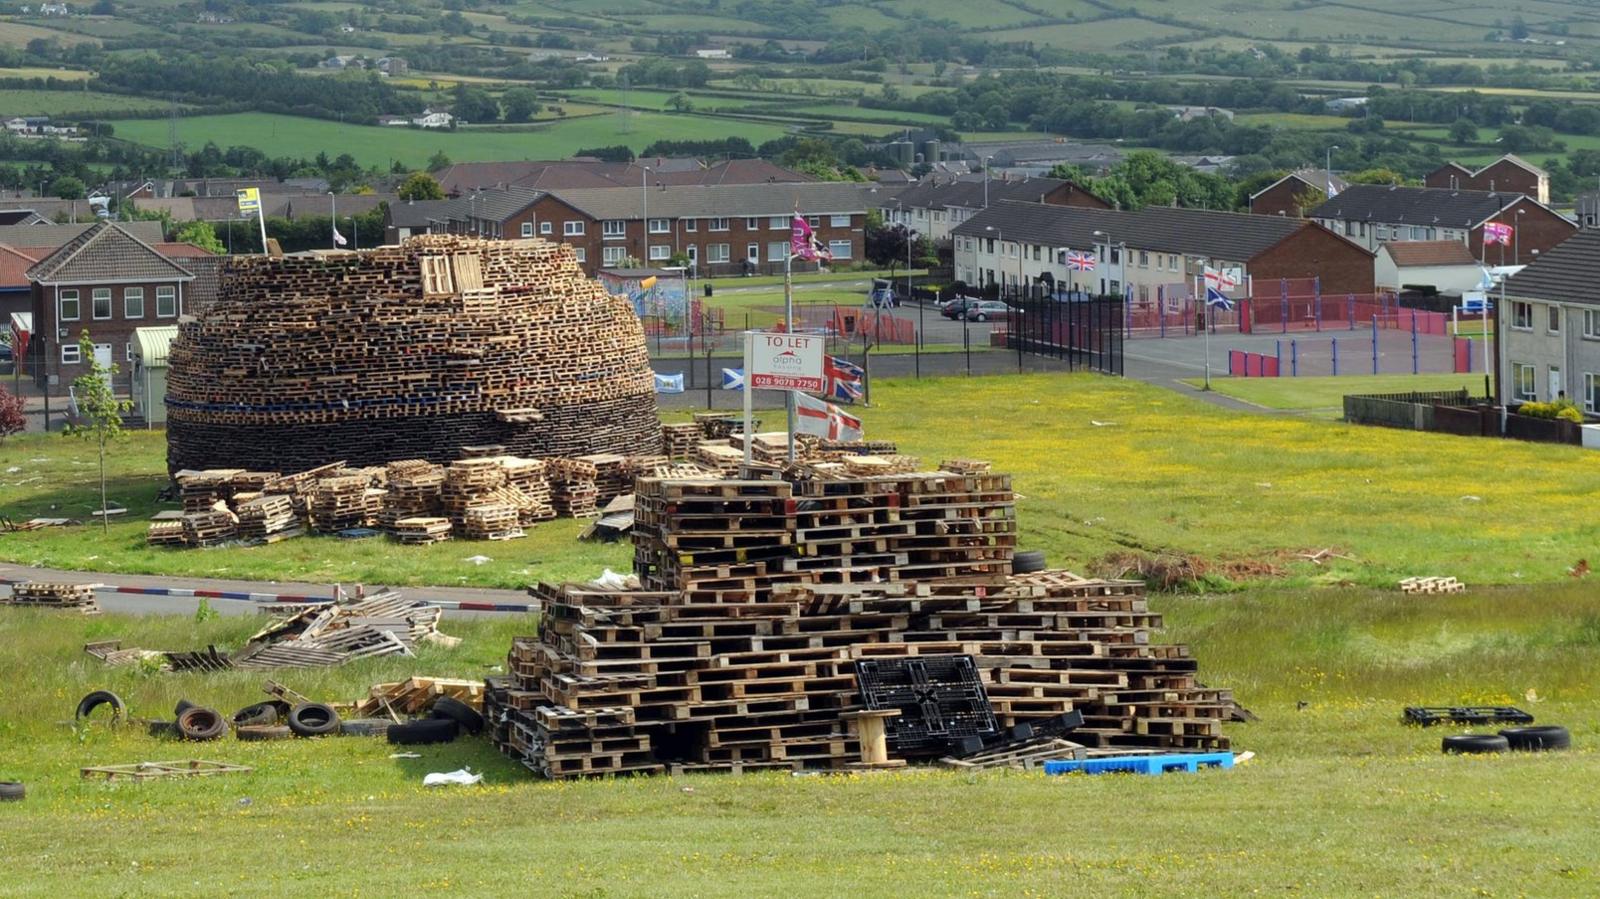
(1080, 262)
(844, 379)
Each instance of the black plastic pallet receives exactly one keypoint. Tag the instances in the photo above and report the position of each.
(1427, 716)
(941, 701)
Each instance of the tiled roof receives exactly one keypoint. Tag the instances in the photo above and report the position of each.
(14, 265)
(569, 174)
(1429, 252)
(105, 252)
(52, 235)
(200, 293)
(421, 213)
(968, 194)
(1436, 206)
(1229, 236)
(1564, 272)
(732, 200)
(1318, 178)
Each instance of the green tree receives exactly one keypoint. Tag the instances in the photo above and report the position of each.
(201, 234)
(680, 102)
(420, 186)
(99, 412)
(521, 104)
(473, 104)
(68, 188)
(1463, 131)
(438, 161)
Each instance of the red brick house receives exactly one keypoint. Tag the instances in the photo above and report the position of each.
(1316, 252)
(1508, 174)
(106, 282)
(1295, 192)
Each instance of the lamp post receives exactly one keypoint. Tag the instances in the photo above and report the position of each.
(644, 186)
(1516, 239)
(1000, 263)
(1327, 170)
(986, 181)
(333, 221)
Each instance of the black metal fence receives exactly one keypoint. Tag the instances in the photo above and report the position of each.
(1085, 332)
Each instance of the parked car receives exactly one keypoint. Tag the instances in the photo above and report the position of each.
(987, 309)
(7, 360)
(957, 307)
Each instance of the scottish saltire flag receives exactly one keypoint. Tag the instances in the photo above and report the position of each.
(1080, 262)
(1497, 232)
(814, 416)
(1216, 299)
(672, 383)
(803, 242)
(733, 379)
(844, 379)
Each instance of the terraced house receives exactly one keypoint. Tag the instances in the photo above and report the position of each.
(1548, 328)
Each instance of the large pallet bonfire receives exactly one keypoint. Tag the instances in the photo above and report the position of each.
(409, 352)
(763, 604)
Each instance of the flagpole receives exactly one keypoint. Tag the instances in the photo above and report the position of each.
(261, 219)
(1205, 313)
(333, 222)
(745, 389)
(788, 325)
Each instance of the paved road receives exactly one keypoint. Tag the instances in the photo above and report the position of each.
(182, 605)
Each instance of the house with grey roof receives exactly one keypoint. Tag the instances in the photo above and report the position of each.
(1374, 214)
(107, 282)
(935, 205)
(1547, 329)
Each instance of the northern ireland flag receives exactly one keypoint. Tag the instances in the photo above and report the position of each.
(814, 416)
(844, 379)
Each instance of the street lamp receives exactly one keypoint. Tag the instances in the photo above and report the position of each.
(1327, 170)
(1516, 239)
(1111, 250)
(1001, 253)
(986, 181)
(644, 185)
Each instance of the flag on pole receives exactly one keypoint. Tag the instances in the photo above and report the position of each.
(1080, 262)
(844, 379)
(733, 379)
(672, 383)
(803, 242)
(1216, 299)
(814, 416)
(1497, 232)
(338, 239)
(249, 199)
(1223, 279)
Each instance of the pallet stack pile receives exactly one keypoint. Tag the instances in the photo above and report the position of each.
(678, 440)
(40, 595)
(531, 479)
(648, 681)
(409, 351)
(414, 486)
(209, 528)
(268, 518)
(573, 489)
(343, 502)
(613, 476)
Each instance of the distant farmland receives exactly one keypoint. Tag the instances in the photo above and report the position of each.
(279, 135)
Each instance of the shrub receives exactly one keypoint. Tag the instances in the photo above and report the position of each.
(1562, 410)
(11, 417)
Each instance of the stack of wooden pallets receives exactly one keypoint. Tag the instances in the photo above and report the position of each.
(268, 518)
(679, 439)
(209, 528)
(531, 479)
(573, 489)
(341, 502)
(422, 529)
(414, 487)
(613, 476)
(41, 595)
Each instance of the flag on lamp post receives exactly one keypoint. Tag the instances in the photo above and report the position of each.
(338, 239)
(814, 416)
(803, 242)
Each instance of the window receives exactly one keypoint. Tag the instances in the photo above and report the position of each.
(127, 352)
(68, 307)
(611, 229)
(133, 302)
(777, 250)
(613, 255)
(1522, 316)
(691, 224)
(660, 251)
(572, 229)
(1037, 255)
(1526, 381)
(752, 223)
(841, 221)
(1381, 232)
(1591, 324)
(922, 213)
(1553, 318)
(814, 221)
(436, 275)
(546, 228)
(527, 229)
(778, 222)
(580, 254)
(717, 224)
(660, 226)
(989, 246)
(101, 302)
(166, 302)
(1590, 382)
(70, 354)
(937, 216)
(839, 248)
(718, 252)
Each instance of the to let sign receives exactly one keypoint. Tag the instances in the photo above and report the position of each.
(785, 362)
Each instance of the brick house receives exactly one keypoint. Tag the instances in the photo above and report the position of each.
(1508, 174)
(934, 206)
(1547, 332)
(1375, 214)
(105, 281)
(1150, 251)
(1292, 194)
(727, 229)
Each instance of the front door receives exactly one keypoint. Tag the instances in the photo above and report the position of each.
(1557, 388)
(102, 358)
(694, 256)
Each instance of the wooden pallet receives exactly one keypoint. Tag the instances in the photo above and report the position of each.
(1432, 585)
(142, 771)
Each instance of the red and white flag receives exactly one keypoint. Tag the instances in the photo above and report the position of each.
(1497, 232)
(814, 416)
(803, 242)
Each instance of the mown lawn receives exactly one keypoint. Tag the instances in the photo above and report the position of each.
(1340, 800)
(1324, 396)
(1101, 467)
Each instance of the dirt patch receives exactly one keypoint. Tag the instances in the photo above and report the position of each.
(1174, 572)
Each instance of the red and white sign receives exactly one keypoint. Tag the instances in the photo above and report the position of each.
(786, 362)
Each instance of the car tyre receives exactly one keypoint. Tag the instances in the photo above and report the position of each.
(463, 714)
(313, 719)
(424, 730)
(260, 714)
(365, 727)
(98, 698)
(1027, 561)
(1474, 744)
(263, 732)
(1537, 739)
(12, 791)
(201, 724)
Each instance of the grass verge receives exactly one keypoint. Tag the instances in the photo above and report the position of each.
(1324, 396)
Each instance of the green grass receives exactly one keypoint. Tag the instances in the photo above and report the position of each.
(43, 102)
(1325, 395)
(293, 136)
(1340, 800)
(1169, 474)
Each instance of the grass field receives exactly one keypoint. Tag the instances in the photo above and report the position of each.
(1341, 799)
(372, 145)
(1324, 396)
(1171, 475)
(24, 102)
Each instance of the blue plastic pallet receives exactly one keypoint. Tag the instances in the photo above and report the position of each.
(1142, 764)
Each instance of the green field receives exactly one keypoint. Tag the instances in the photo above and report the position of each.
(1341, 800)
(1253, 489)
(60, 103)
(280, 135)
(1324, 396)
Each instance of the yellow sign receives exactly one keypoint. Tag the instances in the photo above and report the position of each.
(249, 199)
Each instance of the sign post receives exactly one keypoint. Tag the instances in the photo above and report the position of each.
(781, 361)
(250, 201)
